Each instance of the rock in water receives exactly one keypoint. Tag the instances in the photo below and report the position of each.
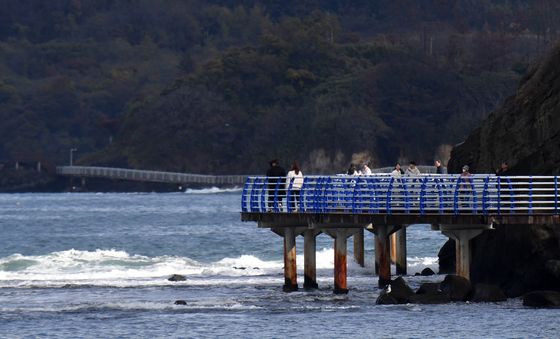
(542, 299)
(427, 272)
(177, 277)
(446, 257)
(487, 293)
(397, 292)
(428, 288)
(456, 287)
(180, 302)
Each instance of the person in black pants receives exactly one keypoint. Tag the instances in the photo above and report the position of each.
(276, 176)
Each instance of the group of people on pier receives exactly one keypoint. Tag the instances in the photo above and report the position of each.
(292, 181)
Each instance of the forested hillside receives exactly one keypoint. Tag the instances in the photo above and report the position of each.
(222, 86)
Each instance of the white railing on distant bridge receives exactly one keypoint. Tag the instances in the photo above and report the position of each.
(385, 194)
(149, 176)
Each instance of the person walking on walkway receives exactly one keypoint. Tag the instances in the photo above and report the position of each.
(295, 177)
(275, 174)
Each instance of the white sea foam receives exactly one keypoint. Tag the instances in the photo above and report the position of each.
(212, 190)
(119, 268)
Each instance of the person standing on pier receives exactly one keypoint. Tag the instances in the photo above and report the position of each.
(397, 171)
(503, 170)
(275, 174)
(412, 170)
(294, 194)
(439, 169)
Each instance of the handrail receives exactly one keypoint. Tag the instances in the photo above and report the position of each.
(424, 194)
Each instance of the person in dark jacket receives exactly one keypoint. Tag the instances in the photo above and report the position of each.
(503, 170)
(439, 169)
(276, 176)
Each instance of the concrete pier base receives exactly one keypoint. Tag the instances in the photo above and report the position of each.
(462, 237)
(359, 247)
(310, 262)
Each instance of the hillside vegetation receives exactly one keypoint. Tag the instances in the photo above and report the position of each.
(222, 86)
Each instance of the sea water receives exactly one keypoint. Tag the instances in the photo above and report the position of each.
(97, 265)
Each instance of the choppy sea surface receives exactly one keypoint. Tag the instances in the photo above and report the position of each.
(87, 265)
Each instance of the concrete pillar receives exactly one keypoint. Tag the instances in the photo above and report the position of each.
(383, 255)
(400, 250)
(340, 267)
(309, 257)
(382, 252)
(83, 181)
(359, 247)
(462, 239)
(17, 165)
(375, 240)
(290, 269)
(38, 166)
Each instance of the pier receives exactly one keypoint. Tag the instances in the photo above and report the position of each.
(344, 206)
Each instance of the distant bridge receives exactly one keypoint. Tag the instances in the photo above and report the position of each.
(148, 176)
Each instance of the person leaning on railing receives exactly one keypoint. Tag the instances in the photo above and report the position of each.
(297, 176)
(275, 175)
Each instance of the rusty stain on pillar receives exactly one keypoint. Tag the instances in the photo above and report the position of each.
(340, 244)
(359, 247)
(290, 271)
(400, 247)
(382, 252)
(393, 248)
(309, 255)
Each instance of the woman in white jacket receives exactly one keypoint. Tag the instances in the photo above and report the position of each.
(297, 176)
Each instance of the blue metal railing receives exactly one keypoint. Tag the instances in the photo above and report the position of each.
(384, 194)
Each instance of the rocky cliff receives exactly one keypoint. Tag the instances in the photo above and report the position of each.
(525, 131)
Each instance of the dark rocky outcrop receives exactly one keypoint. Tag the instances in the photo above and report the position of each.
(525, 131)
(177, 277)
(544, 299)
(456, 288)
(517, 258)
(487, 293)
(180, 302)
(446, 258)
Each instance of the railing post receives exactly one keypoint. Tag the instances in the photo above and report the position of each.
(556, 194)
(530, 194)
(485, 196)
